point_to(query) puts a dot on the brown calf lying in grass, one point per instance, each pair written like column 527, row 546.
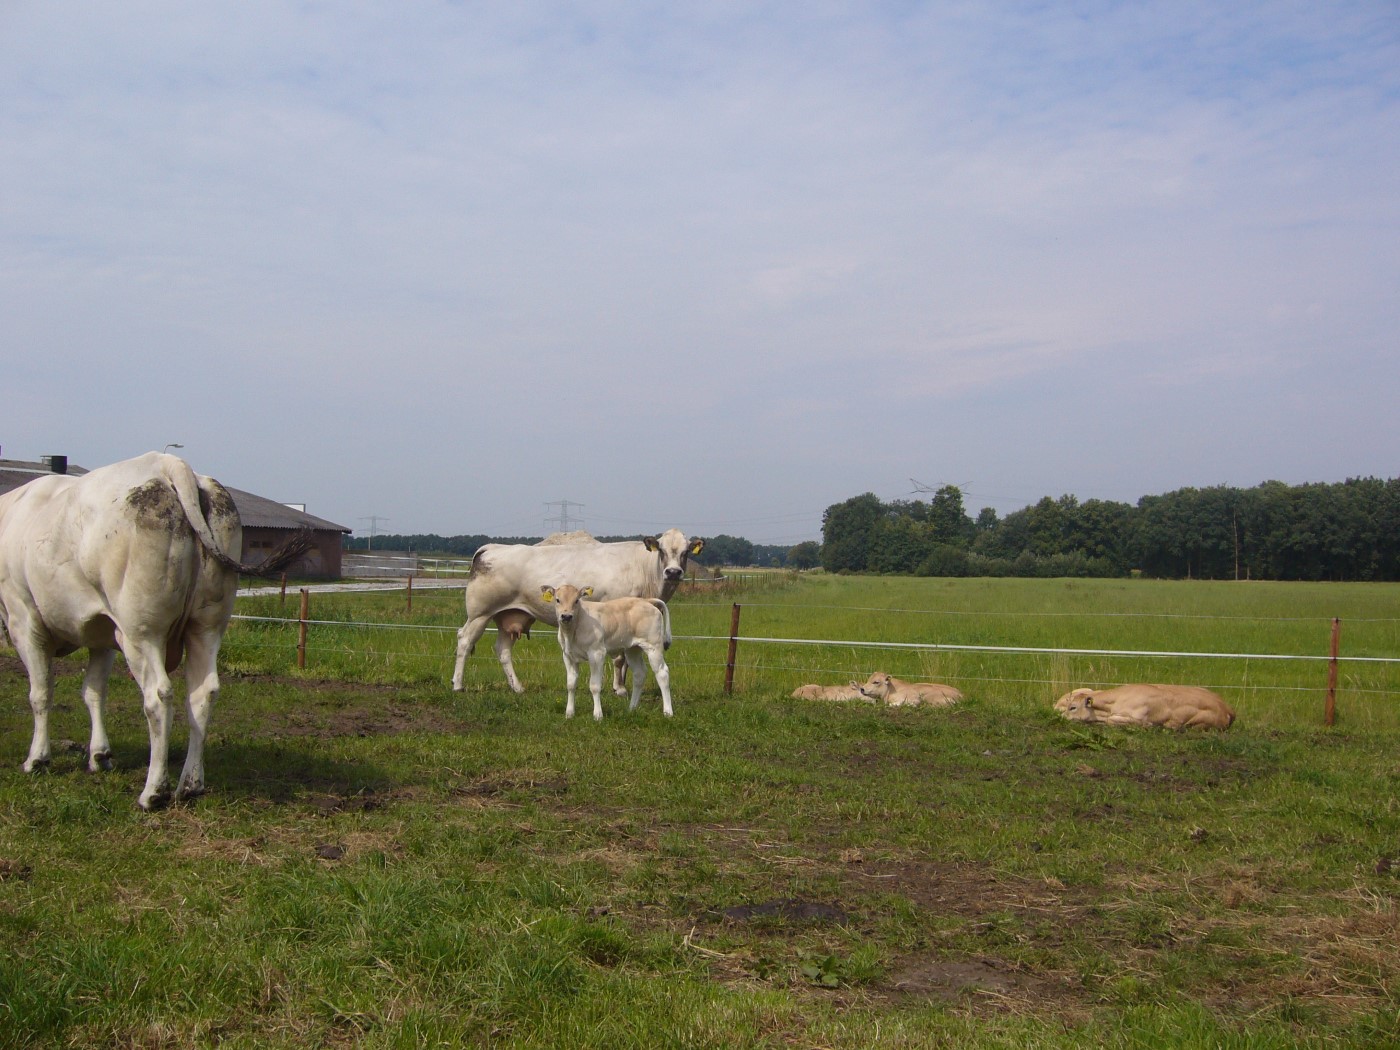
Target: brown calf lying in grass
column 896, row 692
column 1172, row 706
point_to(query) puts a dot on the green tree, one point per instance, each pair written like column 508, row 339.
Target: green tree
column 806, row 555
column 846, row 532
column 948, row 520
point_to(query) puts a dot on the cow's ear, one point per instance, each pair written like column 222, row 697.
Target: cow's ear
column 652, row 543
column 547, row 593
column 697, row 546
column 1088, row 701
column 587, row 592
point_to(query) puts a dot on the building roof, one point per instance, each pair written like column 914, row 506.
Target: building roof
column 255, row 511
column 258, row 512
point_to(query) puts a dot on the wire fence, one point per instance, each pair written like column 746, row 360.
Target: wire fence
column 773, row 657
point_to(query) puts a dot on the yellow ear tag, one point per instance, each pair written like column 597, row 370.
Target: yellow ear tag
column 547, row 593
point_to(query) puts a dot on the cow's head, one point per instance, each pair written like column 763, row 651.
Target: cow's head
column 673, row 549
column 565, row 599
column 1062, row 704
column 876, row 687
column 1079, row 706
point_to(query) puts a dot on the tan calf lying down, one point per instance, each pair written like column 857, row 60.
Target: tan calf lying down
column 1172, row 706
column 896, row 692
column 830, row 692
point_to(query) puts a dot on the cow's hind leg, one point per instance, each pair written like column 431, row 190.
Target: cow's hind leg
column 147, row 663
column 99, row 668
column 467, row 636
column 505, row 642
column 202, row 680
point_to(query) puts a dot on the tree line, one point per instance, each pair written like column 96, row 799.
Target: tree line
column 719, row 550
column 1273, row 531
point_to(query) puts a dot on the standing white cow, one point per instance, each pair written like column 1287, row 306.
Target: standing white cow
column 136, row 556
column 589, row 631
column 508, row 576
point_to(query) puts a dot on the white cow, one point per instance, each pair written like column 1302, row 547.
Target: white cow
column 136, row 556
column 896, row 692
column 511, row 576
column 590, row 631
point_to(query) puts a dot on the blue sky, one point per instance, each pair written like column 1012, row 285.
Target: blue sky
column 715, row 266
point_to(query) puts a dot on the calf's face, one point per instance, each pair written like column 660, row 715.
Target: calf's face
column 565, row 599
column 877, row 687
column 1080, row 708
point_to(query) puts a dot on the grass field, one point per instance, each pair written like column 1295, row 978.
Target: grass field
column 383, row 863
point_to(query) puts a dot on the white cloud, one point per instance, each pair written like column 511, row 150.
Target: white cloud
column 798, row 242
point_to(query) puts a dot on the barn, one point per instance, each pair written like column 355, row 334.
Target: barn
column 266, row 523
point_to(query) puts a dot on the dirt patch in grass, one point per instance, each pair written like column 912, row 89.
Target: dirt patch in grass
column 354, row 712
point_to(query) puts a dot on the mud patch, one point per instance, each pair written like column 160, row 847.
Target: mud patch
column 360, row 721
column 499, row 787
column 792, row 910
column 947, row 980
column 154, row 505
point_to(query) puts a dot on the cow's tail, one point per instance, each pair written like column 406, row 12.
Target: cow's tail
column 182, row 479
column 665, row 621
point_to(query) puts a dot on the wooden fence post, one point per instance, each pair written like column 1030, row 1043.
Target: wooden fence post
column 410, row 592
column 301, row 630
column 1330, row 711
column 733, row 649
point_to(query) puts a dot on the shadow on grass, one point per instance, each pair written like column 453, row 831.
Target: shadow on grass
column 273, row 772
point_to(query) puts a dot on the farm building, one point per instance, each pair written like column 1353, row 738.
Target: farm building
column 266, row 523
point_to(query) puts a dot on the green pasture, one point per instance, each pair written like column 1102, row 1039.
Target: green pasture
column 380, row 862
column 1269, row 642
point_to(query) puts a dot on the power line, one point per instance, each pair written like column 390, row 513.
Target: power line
column 374, row 520
column 563, row 521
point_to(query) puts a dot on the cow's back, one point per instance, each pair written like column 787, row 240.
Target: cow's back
column 512, row 575
column 113, row 549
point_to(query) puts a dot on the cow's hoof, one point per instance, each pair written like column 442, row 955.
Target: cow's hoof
column 100, row 762
column 37, row 765
column 154, row 800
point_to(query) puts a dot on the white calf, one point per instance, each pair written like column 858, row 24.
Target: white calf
column 589, row 631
